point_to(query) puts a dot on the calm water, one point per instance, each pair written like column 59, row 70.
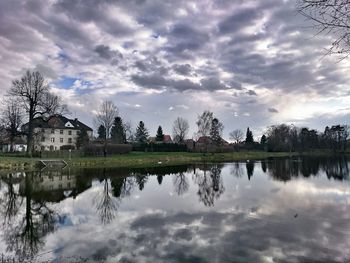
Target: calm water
column 279, row 210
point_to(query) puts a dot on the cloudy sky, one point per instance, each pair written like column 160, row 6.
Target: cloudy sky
column 253, row 63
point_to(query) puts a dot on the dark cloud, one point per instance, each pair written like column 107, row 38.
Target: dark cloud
column 183, row 69
column 93, row 11
column 212, row 84
column 239, row 20
column 251, row 93
column 156, row 81
column 184, row 38
column 106, row 52
column 272, row 110
column 153, row 81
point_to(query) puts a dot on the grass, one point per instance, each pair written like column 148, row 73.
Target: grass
column 142, row 159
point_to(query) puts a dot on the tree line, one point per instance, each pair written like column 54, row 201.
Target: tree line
column 30, row 97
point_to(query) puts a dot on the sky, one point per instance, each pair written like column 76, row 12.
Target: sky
column 251, row 62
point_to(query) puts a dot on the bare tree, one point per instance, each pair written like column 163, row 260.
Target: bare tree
column 11, row 120
column 105, row 116
column 204, row 123
column 128, row 130
column 330, row 17
column 34, row 96
column 180, row 129
column 237, row 135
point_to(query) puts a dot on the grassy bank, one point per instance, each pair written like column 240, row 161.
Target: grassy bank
column 141, row 159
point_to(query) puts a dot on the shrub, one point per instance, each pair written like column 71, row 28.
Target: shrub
column 67, row 147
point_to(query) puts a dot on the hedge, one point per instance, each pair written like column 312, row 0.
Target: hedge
column 102, row 150
column 159, row 147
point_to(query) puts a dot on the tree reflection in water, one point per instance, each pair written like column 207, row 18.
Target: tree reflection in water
column 106, row 205
column 250, row 168
column 210, row 184
column 335, row 167
column 141, row 180
column 25, row 232
column 181, row 183
column 160, row 179
column 236, row 170
column 11, row 201
column 123, row 186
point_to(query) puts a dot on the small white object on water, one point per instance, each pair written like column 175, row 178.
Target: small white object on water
column 159, row 162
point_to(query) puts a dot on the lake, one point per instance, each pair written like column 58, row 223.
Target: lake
column 276, row 210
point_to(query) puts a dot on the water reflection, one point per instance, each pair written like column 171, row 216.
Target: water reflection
column 336, row 167
column 210, row 183
column 24, row 230
column 202, row 212
column 181, row 183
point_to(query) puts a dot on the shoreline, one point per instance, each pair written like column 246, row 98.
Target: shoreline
column 147, row 159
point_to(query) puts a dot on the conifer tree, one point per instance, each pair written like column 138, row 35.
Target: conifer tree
column 101, row 132
column 141, row 133
column 83, row 139
column 216, row 131
column 160, row 135
column 249, row 137
column 263, row 140
column 118, row 131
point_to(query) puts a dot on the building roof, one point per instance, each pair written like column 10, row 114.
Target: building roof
column 207, row 139
column 204, row 139
column 167, row 138
column 58, row 122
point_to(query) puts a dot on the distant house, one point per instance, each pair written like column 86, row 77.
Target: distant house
column 167, row 139
column 208, row 140
column 56, row 131
column 204, row 140
column 19, row 145
column 151, row 139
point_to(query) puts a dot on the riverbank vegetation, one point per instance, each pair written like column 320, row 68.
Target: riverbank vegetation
column 142, row 159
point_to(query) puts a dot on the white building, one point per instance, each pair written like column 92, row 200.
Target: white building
column 56, row 131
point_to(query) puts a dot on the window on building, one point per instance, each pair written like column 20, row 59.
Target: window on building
column 78, row 132
column 61, row 140
column 52, row 130
column 69, row 132
column 69, row 140
column 52, row 139
column 43, row 139
column 43, row 130
column 61, row 131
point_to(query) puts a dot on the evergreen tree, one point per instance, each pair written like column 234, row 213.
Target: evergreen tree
column 263, row 140
column 249, row 137
column 141, row 133
column 101, row 132
column 118, row 131
column 216, row 131
column 83, row 139
column 160, row 135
